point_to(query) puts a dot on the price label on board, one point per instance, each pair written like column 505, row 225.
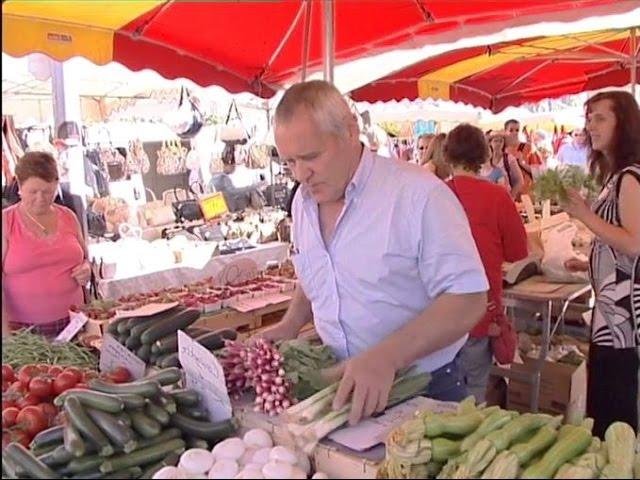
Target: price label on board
column 204, row 374
column 113, row 354
column 77, row 320
column 213, row 206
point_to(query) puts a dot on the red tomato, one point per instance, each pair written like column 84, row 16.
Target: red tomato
column 26, row 373
column 63, row 382
column 82, row 386
column 6, row 440
column 28, row 400
column 43, row 367
column 41, row 386
column 88, row 375
column 8, row 374
column 32, row 420
column 119, row 375
column 50, row 412
column 75, row 371
column 5, row 386
column 54, row 370
column 21, row 437
column 9, row 417
column 16, row 387
column 8, row 402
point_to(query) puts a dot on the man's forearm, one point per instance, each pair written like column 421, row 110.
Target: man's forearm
column 299, row 312
column 441, row 324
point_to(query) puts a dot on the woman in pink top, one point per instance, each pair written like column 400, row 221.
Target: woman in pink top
column 44, row 264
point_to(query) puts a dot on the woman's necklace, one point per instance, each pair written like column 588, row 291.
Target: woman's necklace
column 44, row 229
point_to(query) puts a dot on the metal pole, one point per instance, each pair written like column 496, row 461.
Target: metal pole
column 634, row 61
column 307, row 35
column 329, row 39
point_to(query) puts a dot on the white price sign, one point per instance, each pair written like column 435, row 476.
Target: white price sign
column 204, row 374
column 77, row 320
column 113, row 354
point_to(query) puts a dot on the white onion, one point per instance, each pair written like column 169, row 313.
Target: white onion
column 283, row 454
column 261, row 456
column 320, row 476
column 196, row 460
column 297, row 473
column 223, row 468
column 277, row 470
column 231, row 448
column 169, row 473
column 247, row 456
column 257, row 438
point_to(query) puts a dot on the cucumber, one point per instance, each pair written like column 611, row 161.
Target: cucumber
column 101, row 401
column 197, row 413
column 10, row 469
column 56, row 457
column 124, row 419
column 166, row 344
column 19, row 455
column 158, row 413
column 215, row 340
column 210, row 431
column 178, row 322
column 141, row 324
column 85, row 464
column 132, row 472
column 73, row 441
column 185, row 397
column 85, row 425
column 165, row 436
column 144, row 425
column 89, row 475
column 193, row 442
column 112, row 328
column 167, row 402
column 132, row 343
column 119, row 434
column 153, row 358
column 144, row 352
column 140, row 387
column 167, row 376
column 122, row 339
column 194, row 332
column 38, row 452
column 170, row 460
column 169, row 360
column 123, row 327
column 50, row 436
column 131, row 400
column 142, row 456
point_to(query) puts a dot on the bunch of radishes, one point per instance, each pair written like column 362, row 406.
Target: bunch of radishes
column 258, row 365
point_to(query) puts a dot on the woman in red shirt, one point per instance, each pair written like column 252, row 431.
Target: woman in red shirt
column 499, row 234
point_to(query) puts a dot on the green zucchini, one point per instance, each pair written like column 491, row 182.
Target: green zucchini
column 142, row 456
column 194, row 332
column 170, row 460
column 153, row 358
column 167, row 402
column 10, row 469
column 122, row 339
column 85, row 425
column 197, row 413
column 144, row 352
column 193, row 442
column 543, row 439
column 437, row 425
column 124, row 419
column 169, row 360
column 215, row 340
column 156, row 412
column 119, row 434
column 140, row 325
column 131, row 472
column 124, row 327
column 59, row 456
column 50, row 436
column 144, row 425
column 88, row 398
column 112, row 328
column 185, row 397
column 166, row 376
column 88, row 475
column 30, row 464
column 85, row 464
column 73, row 442
column 209, row 431
column 132, row 343
column 132, row 400
column 178, row 322
column 443, row 449
column 38, row 452
column 491, row 423
column 165, row 436
column 140, row 387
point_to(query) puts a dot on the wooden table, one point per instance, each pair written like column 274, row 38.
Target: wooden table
column 537, row 295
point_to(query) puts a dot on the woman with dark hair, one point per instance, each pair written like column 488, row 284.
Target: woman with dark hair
column 613, row 135
column 499, row 235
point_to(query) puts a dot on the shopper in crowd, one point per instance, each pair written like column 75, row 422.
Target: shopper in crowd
column 499, row 235
column 613, row 123
column 434, row 158
column 44, row 257
column 501, row 167
column 528, row 159
column 576, row 151
column 387, row 267
column 423, row 145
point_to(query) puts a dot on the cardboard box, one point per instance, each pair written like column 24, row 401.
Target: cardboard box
column 562, row 388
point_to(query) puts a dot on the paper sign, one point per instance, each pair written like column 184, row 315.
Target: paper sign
column 204, row 374
column 373, row 431
column 146, row 310
column 77, row 320
column 213, row 206
column 113, row 354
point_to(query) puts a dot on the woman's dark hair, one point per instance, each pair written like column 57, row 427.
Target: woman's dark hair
column 41, row 165
column 466, row 147
column 626, row 139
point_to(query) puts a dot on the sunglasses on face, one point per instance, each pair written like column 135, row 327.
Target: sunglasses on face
column 422, row 147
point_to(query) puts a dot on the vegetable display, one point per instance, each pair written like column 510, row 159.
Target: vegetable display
column 554, row 182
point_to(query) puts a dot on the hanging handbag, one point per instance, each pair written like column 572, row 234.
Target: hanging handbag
column 155, row 213
column 233, row 131
column 187, row 209
column 187, row 120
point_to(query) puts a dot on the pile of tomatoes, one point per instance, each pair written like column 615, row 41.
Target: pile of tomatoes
column 28, row 394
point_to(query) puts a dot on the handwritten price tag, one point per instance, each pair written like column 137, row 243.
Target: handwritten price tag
column 204, row 374
column 77, row 320
column 113, row 354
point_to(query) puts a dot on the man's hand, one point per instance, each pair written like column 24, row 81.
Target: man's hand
column 82, row 273
column 367, row 379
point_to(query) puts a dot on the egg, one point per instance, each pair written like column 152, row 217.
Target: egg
column 224, row 468
column 257, row 438
column 231, row 448
column 196, row 460
column 283, row 454
column 277, row 470
column 261, row 456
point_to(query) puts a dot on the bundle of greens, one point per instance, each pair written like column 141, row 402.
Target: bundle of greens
column 553, row 183
column 303, row 363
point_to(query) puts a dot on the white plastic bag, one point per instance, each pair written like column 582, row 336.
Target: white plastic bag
column 557, row 250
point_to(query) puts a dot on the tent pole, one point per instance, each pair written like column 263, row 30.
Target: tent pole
column 329, row 39
column 634, row 61
column 307, row 35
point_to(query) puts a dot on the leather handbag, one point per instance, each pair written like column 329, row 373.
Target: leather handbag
column 155, row 213
column 233, row 130
column 187, row 120
column 187, row 209
column 504, row 344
